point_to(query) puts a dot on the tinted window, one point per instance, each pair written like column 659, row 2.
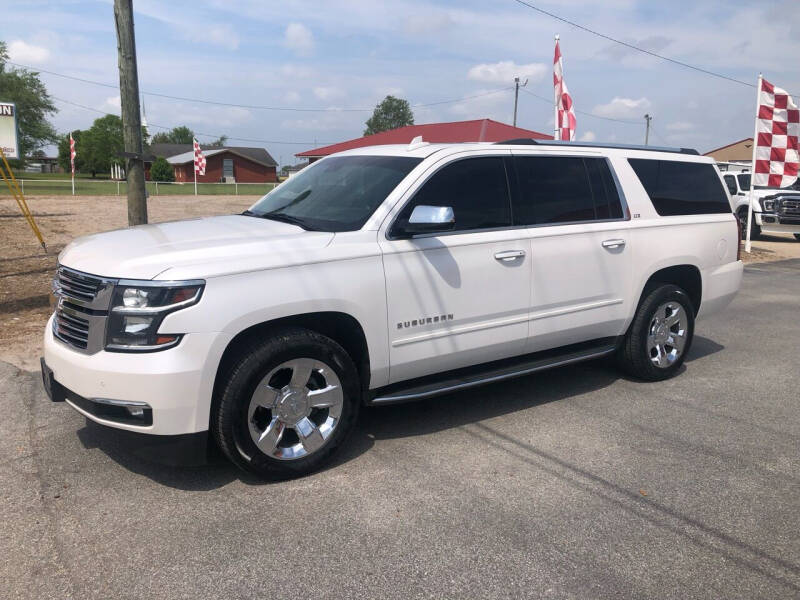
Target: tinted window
column 681, row 188
column 744, row 182
column 337, row 194
column 475, row 188
column 559, row 189
column 730, row 181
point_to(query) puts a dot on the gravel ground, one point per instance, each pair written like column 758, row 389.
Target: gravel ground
column 575, row 483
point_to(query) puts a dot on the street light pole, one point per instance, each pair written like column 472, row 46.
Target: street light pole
column 516, row 96
column 647, row 119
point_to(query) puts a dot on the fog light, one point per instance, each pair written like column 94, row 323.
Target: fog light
column 137, row 324
column 136, row 411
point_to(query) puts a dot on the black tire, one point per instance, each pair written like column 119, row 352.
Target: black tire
column 251, row 362
column 633, row 355
column 755, row 230
column 797, row 236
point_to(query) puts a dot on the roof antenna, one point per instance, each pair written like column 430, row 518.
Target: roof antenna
column 416, row 143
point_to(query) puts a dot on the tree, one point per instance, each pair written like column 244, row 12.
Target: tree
column 391, row 113
column 34, row 104
column 161, row 170
column 176, row 135
column 219, row 142
column 101, row 144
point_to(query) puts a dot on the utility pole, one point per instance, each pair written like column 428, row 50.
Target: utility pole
column 516, row 96
column 131, row 117
column 647, row 119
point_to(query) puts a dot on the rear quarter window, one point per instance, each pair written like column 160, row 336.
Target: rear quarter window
column 681, row 188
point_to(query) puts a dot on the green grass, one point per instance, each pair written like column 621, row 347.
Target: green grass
column 60, row 176
column 51, row 186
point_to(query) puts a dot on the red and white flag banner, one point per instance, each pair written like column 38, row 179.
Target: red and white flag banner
column 199, row 159
column 565, row 111
column 72, row 154
column 775, row 155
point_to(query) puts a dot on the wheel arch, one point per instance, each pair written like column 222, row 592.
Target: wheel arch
column 685, row 276
column 341, row 327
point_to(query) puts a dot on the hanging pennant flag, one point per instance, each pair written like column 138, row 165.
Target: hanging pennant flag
column 72, row 154
column 565, row 112
column 776, row 158
column 199, row 159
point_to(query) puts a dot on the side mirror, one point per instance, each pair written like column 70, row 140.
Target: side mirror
column 430, row 219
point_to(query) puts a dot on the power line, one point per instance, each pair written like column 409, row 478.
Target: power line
column 211, row 135
column 251, row 106
column 583, row 112
column 631, row 46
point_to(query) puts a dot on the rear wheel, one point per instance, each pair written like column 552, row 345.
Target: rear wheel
column 657, row 341
column 287, row 404
column 755, row 230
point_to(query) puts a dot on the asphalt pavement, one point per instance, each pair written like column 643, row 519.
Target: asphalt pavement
column 575, row 483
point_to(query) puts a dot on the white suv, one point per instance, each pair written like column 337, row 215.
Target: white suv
column 389, row 274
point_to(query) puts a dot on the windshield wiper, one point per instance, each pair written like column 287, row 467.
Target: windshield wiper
column 284, row 218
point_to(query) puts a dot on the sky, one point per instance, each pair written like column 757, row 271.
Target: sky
column 458, row 57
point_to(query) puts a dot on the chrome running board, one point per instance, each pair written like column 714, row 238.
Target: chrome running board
column 427, row 387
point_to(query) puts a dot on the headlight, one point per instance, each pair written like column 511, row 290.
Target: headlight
column 767, row 205
column 139, row 307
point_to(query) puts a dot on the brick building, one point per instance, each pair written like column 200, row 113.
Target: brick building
column 223, row 164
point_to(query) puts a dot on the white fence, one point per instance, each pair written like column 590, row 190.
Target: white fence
column 92, row 187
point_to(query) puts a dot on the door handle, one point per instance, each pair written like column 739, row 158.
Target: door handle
column 613, row 243
column 509, row 255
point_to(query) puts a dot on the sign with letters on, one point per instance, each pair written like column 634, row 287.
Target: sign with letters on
column 8, row 130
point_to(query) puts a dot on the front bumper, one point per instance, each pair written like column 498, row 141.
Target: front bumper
column 777, row 223
column 175, row 384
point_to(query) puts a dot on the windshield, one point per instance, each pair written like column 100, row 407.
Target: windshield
column 744, row 181
column 336, row 194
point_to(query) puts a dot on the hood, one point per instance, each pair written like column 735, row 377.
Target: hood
column 202, row 246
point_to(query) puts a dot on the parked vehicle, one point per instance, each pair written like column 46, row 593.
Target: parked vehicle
column 390, row 274
column 775, row 210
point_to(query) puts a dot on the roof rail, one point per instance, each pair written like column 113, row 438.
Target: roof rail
column 534, row 142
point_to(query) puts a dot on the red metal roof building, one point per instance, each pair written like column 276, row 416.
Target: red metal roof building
column 480, row 130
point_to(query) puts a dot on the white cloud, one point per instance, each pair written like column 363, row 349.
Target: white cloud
column 291, row 71
column 622, row 108
column 299, row 39
column 22, row 52
column 505, row 71
column 589, row 136
column 221, row 35
column 292, row 97
column 680, row 126
column 327, row 92
column 113, row 102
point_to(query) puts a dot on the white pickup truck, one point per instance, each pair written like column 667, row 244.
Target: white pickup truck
column 775, row 210
column 389, row 274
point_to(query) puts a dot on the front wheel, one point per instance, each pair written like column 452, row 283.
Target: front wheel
column 660, row 335
column 286, row 403
column 755, row 230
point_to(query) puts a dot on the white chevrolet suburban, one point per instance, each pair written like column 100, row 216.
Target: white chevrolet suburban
column 775, row 210
column 388, row 274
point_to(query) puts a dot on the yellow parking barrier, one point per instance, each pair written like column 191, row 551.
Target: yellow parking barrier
column 11, row 181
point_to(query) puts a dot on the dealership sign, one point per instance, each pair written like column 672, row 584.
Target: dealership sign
column 8, row 130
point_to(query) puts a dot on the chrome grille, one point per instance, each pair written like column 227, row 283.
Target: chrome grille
column 82, row 308
column 76, row 286
column 71, row 328
column 790, row 207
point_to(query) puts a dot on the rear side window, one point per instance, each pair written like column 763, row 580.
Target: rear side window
column 681, row 188
column 475, row 188
column 563, row 189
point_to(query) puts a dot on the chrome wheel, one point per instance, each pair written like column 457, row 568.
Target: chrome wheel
column 295, row 409
column 666, row 336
